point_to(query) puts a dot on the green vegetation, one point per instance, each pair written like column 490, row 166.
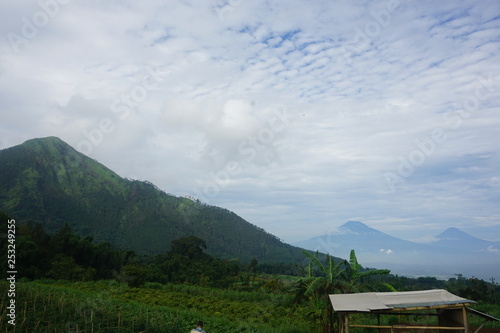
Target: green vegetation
column 47, row 181
column 108, row 306
column 62, row 255
column 326, row 278
column 101, row 289
column 99, row 253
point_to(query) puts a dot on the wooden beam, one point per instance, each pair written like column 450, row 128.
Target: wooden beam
column 412, row 327
column 403, row 313
column 371, row 326
column 430, row 327
column 343, row 322
column 346, row 323
column 430, row 307
column 479, row 328
column 465, row 319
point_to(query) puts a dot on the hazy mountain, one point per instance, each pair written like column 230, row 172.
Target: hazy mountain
column 47, row 181
column 456, row 239
column 451, row 252
column 357, row 235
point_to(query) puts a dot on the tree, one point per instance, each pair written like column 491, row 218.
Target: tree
column 191, row 247
column 136, row 274
column 355, row 276
column 342, row 277
column 65, row 268
column 314, row 290
column 187, row 263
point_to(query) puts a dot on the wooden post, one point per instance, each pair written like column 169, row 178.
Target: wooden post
column 465, row 319
column 341, row 322
column 453, row 317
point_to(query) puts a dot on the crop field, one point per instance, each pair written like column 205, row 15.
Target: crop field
column 108, row 306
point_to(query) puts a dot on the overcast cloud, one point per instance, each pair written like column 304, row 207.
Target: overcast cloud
column 296, row 115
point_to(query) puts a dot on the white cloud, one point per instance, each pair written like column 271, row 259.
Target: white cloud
column 360, row 99
column 492, row 249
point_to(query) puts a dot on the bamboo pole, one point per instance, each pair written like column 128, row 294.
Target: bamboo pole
column 346, row 323
column 465, row 321
column 479, row 328
column 378, row 322
column 371, row 326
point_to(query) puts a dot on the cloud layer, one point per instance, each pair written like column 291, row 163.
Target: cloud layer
column 298, row 116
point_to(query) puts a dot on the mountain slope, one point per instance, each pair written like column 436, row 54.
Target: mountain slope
column 356, row 235
column 46, row 180
column 457, row 239
column 452, row 251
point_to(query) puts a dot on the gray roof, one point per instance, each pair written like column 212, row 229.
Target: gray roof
column 366, row 302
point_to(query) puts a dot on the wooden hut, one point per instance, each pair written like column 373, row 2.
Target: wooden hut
column 450, row 311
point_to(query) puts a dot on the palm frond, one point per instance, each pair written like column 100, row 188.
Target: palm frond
column 314, row 259
column 314, row 286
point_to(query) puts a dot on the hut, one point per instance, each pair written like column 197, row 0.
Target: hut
column 450, row 310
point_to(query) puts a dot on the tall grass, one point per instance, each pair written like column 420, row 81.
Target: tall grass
column 108, row 306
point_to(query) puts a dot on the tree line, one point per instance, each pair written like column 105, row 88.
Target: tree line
column 64, row 255
column 67, row 256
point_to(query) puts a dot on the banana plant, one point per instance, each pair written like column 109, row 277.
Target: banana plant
column 314, row 290
column 342, row 277
column 354, row 275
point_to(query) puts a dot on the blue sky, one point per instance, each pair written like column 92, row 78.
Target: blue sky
column 296, row 115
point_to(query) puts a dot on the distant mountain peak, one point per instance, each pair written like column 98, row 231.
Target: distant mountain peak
column 454, row 234
column 358, row 228
column 354, row 225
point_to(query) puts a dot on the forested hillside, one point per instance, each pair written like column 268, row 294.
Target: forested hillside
column 80, row 284
column 47, row 181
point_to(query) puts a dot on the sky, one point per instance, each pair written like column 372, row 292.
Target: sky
column 297, row 115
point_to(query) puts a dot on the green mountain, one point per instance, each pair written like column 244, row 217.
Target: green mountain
column 47, row 181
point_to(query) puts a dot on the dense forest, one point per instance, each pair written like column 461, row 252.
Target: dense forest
column 47, row 181
column 64, row 256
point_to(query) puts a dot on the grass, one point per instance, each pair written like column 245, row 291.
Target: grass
column 107, row 306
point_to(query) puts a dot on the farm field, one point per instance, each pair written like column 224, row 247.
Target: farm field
column 111, row 306
column 108, row 306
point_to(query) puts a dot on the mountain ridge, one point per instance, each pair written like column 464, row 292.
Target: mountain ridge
column 357, row 227
column 452, row 251
column 46, row 180
column 454, row 233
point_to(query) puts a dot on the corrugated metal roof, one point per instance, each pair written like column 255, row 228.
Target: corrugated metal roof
column 366, row 302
